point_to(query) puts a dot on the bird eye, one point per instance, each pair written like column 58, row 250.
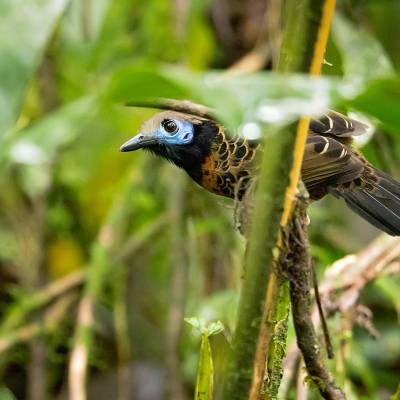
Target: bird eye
column 170, row 126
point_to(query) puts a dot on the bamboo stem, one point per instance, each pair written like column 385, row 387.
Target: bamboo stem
column 302, row 128
column 178, row 285
column 279, row 286
column 258, row 266
column 77, row 371
column 122, row 339
column 258, row 307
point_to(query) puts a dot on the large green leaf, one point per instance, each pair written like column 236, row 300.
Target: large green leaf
column 381, row 99
column 396, row 396
column 238, row 99
column 40, row 142
column 363, row 56
column 6, row 394
column 25, row 27
column 37, row 147
column 262, row 97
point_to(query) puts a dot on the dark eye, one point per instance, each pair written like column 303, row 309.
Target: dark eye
column 169, row 125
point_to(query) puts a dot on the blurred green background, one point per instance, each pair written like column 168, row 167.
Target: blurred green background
column 108, row 252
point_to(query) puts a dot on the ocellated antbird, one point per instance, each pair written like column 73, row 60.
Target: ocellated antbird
column 225, row 164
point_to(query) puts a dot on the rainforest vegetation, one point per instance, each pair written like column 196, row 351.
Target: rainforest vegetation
column 121, row 278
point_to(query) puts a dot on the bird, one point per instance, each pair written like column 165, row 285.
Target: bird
column 226, row 164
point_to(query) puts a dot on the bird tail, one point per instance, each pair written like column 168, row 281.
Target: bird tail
column 378, row 202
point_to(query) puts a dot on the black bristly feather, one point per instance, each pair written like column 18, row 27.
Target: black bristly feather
column 378, row 203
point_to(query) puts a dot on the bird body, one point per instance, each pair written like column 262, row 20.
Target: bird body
column 225, row 164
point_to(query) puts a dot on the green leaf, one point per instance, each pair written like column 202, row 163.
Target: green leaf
column 197, row 323
column 82, row 23
column 238, row 99
column 396, row 396
column 6, row 394
column 142, row 82
column 25, row 27
column 363, row 56
column 53, row 132
column 36, row 148
column 205, row 371
column 381, row 99
column 390, row 286
column 213, row 328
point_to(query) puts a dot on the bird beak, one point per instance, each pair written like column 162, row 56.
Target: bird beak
column 137, row 142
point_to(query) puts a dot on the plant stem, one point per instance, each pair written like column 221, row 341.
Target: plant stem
column 294, row 56
column 109, row 238
column 258, row 265
column 256, row 322
column 122, row 339
column 178, row 286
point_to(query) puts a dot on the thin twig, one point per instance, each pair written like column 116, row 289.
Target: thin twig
column 301, row 387
column 47, row 294
column 346, row 278
column 337, row 289
column 267, row 44
column 122, row 339
column 325, row 330
column 53, row 315
column 80, row 352
column 135, row 242
column 103, row 257
column 297, row 264
column 40, row 299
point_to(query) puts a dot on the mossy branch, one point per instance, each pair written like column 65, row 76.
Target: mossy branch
column 297, row 264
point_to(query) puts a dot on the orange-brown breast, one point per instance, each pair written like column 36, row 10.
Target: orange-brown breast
column 227, row 169
column 209, row 174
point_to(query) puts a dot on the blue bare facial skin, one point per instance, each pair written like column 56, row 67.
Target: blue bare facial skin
column 170, row 131
column 175, row 131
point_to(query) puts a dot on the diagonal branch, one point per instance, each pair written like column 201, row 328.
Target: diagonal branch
column 297, row 264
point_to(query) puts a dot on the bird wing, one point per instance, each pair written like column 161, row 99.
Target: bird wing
column 336, row 124
column 329, row 163
column 330, row 166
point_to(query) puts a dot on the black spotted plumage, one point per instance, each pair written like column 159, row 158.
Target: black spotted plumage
column 225, row 164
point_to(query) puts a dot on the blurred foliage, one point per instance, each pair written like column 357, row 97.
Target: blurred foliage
column 67, row 68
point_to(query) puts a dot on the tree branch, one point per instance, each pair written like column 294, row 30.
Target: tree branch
column 297, row 264
column 343, row 283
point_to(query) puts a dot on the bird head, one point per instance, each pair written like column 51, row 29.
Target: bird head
column 184, row 139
